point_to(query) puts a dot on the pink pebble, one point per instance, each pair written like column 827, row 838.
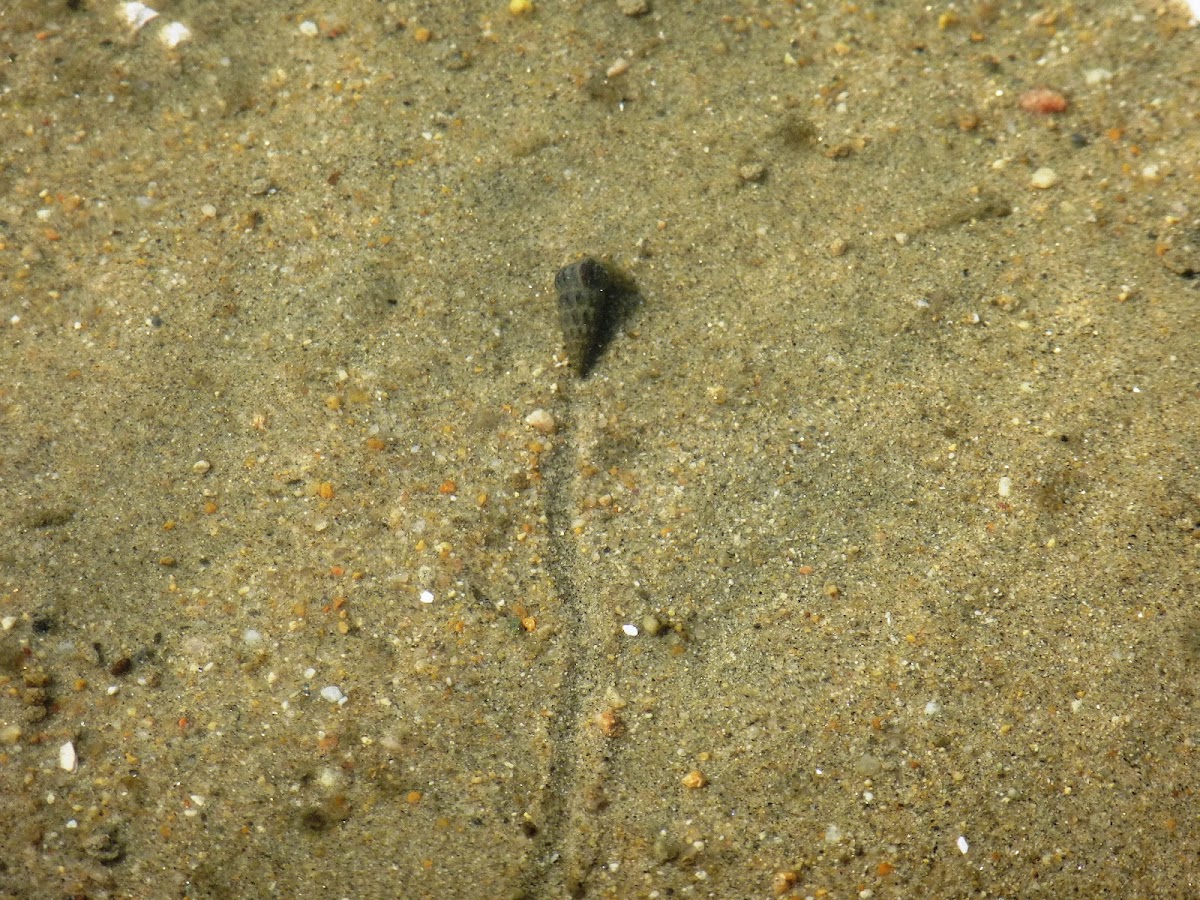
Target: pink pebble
column 1043, row 101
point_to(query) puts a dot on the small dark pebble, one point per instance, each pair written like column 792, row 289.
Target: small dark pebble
column 315, row 819
column 121, row 666
column 324, row 816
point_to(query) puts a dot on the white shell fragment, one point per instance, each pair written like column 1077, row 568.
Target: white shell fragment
column 1043, row 178
column 541, row 421
column 67, row 760
column 137, row 15
column 174, row 34
column 620, row 67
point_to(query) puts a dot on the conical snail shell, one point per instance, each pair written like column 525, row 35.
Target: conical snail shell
column 586, row 293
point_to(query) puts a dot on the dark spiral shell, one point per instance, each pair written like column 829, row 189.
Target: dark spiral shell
column 587, row 294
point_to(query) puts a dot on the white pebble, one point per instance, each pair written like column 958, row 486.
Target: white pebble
column 426, row 596
column 308, row 28
column 963, row 846
column 1043, row 178
column 932, row 708
column 67, row 761
column 251, row 636
column 542, row 421
column 332, row 693
column 630, row 629
column 1005, row 486
column 8, row 622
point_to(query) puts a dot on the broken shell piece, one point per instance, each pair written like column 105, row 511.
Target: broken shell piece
column 541, row 421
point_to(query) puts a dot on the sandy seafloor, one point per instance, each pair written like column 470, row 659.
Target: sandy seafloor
column 893, row 465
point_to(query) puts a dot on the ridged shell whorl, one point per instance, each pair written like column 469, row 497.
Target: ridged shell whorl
column 587, row 293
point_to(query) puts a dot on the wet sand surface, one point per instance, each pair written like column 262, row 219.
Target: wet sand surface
column 864, row 563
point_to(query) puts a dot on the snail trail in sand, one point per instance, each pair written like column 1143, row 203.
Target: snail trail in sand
column 593, row 301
